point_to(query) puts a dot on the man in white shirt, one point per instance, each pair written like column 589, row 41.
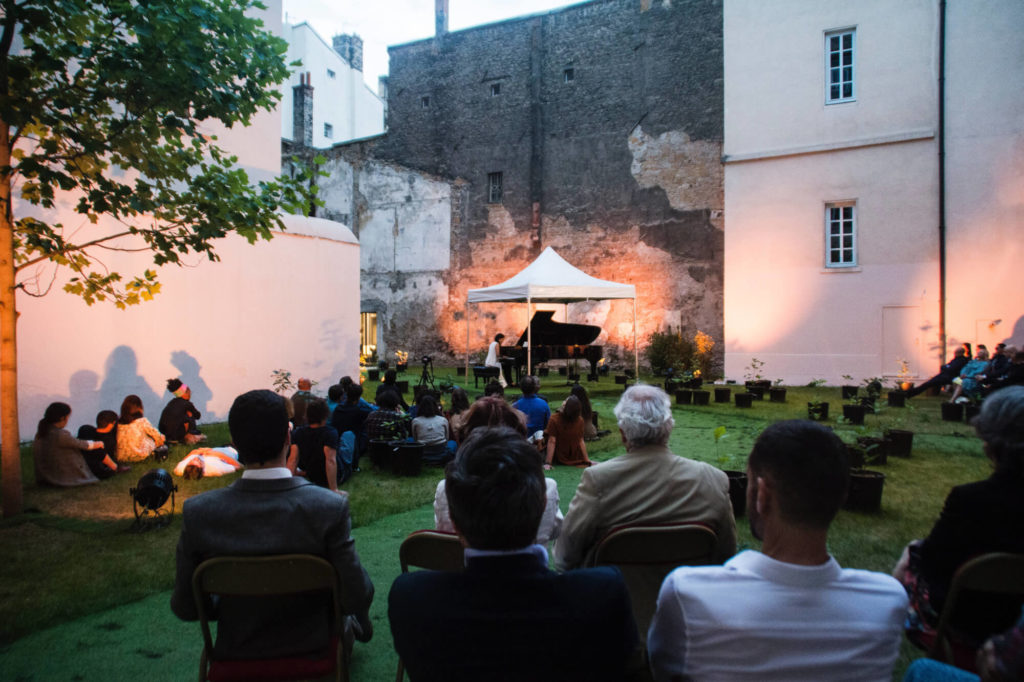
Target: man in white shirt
column 788, row 612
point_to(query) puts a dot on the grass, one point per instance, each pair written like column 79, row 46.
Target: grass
column 72, row 560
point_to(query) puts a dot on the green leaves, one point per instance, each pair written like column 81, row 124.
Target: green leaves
column 106, row 100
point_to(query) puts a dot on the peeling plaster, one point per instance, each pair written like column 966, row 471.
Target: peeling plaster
column 689, row 172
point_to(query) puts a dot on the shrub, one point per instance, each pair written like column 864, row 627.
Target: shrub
column 669, row 350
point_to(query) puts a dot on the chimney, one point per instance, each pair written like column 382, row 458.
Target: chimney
column 350, row 47
column 440, row 17
column 302, row 111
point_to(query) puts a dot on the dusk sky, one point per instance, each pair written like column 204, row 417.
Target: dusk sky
column 392, row 22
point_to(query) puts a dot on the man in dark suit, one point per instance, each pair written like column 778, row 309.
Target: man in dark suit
column 508, row 617
column 267, row 512
column 948, row 372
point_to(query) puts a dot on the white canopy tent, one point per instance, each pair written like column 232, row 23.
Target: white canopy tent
column 551, row 279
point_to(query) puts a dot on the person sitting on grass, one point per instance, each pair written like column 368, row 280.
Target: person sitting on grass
column 432, row 429
column 387, row 423
column 350, row 415
column 565, row 443
column 56, row 454
column 494, row 388
column 458, row 411
column 136, row 437
column 390, row 383
column 178, row 419
column 103, row 462
column 317, row 451
column 534, row 407
column 968, row 384
column 948, row 372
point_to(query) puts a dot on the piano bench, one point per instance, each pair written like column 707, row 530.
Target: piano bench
column 485, row 373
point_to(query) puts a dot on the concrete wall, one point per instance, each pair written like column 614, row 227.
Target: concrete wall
column 621, row 162
column 788, row 153
column 985, row 182
column 343, row 100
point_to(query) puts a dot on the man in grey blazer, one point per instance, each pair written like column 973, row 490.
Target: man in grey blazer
column 647, row 485
column 266, row 512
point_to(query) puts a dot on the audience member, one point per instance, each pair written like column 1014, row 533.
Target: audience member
column 1012, row 375
column 491, row 412
column 56, row 454
column 364, row 405
column 459, row 410
column 387, row 423
column 317, row 452
column 977, row 518
column 102, row 462
column 507, row 617
column 178, row 419
column 788, row 612
column 390, row 383
column 534, row 407
column 136, row 437
column 564, row 435
column 1001, row 659
column 268, row 511
column 335, row 396
column 494, row 388
column 299, row 401
column 203, row 462
column 649, row 484
column 431, row 428
column 968, row 384
column 590, row 431
column 948, row 372
column 350, row 416
column 999, row 363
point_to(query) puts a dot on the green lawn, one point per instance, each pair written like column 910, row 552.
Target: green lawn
column 73, row 570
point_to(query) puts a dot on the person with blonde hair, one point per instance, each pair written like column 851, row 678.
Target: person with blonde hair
column 137, row 439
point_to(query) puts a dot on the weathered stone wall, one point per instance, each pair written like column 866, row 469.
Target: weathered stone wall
column 617, row 167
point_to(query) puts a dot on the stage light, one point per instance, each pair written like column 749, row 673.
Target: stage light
column 149, row 497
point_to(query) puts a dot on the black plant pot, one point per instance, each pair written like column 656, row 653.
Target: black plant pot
column 952, row 412
column 593, row 376
column 899, row 442
column 701, row 397
column 381, row 453
column 865, row 491
column 876, row 450
column 777, row 395
column 897, row 399
column 563, row 371
column 817, row 411
column 574, row 377
column 408, row 458
column 723, row 395
column 401, row 366
column 373, row 374
column 620, row 378
column 684, row 396
column 738, row 492
column 543, row 371
column 671, row 386
column 695, row 383
column 849, row 392
column 460, row 371
column 756, row 391
column 744, row 400
column 971, row 410
column 383, row 365
column 854, row 413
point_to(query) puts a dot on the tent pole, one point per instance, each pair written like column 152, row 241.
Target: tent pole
column 529, row 338
column 465, row 378
column 636, row 357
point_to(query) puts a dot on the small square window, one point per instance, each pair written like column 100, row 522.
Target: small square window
column 330, row 73
column 328, row 131
column 568, row 76
column 495, row 89
column 840, row 235
column 424, row 102
column 494, row 188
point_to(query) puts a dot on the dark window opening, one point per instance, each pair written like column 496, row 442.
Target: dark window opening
column 494, row 188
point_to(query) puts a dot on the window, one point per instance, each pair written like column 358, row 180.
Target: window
column 494, row 192
column 330, row 73
column 328, row 131
column 839, row 53
column 568, row 76
column 495, row 89
column 424, row 102
column 840, row 235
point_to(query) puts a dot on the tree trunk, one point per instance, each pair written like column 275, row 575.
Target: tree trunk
column 9, row 441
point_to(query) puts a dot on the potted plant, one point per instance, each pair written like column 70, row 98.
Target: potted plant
column 853, row 412
column 543, row 370
column 971, row 410
column 876, row 451
column 952, row 412
column 753, row 376
column 684, row 396
column 903, row 376
column 671, row 382
column 729, row 464
column 408, row 458
column 723, row 394
column 872, row 392
column 899, row 442
column 817, row 409
column 701, row 397
column 777, row 393
column 401, row 360
column 865, row 490
column 373, row 374
column 620, row 379
column 744, row 399
column 849, row 389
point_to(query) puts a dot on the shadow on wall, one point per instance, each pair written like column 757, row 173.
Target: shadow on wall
column 122, row 378
column 188, row 371
column 1016, row 338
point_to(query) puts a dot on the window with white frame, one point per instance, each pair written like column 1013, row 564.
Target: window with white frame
column 495, row 89
column 841, row 234
column 494, row 190
column 328, row 131
column 840, row 50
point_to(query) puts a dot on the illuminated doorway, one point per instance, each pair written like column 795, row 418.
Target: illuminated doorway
column 367, row 334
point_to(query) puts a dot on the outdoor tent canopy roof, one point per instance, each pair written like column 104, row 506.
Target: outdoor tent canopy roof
column 553, row 280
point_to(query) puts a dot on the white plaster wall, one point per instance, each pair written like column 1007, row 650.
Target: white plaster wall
column 985, row 181
column 345, row 101
column 775, row 72
column 784, row 307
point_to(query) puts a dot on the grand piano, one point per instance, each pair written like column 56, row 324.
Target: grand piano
column 554, row 341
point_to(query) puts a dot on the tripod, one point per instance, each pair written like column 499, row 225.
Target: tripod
column 427, row 375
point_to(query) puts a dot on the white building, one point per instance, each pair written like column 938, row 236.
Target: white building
column 832, row 183
column 344, row 107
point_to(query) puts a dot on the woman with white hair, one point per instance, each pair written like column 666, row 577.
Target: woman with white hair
column 977, row 518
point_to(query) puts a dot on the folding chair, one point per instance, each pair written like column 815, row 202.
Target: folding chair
column 996, row 573
column 286, row 574
column 433, row 550
column 646, row 554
